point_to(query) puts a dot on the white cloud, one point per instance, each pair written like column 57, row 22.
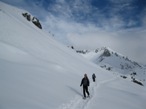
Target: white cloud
column 131, row 43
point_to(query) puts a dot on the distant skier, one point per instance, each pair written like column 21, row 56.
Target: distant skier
column 85, row 82
column 93, row 77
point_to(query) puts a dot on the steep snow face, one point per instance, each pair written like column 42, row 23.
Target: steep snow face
column 34, row 68
column 36, row 72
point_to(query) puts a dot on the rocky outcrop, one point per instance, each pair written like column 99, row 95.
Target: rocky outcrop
column 106, row 53
column 34, row 20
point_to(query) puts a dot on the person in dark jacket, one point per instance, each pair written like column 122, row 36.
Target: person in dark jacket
column 85, row 82
column 93, row 77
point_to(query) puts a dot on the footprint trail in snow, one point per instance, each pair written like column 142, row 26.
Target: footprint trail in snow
column 79, row 103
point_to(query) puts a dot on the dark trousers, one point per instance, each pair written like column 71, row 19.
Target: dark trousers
column 85, row 90
column 93, row 79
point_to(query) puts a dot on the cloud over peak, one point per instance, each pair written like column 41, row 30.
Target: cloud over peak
column 118, row 24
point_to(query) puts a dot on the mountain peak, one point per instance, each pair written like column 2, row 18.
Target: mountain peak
column 38, row 72
column 106, row 52
column 112, row 61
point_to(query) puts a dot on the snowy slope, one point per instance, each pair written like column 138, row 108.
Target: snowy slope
column 36, row 72
column 115, row 62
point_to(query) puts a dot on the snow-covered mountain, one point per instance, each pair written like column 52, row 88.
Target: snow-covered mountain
column 37, row 72
column 116, row 63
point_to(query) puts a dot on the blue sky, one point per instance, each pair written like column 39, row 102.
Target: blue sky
column 118, row 24
column 130, row 12
column 97, row 12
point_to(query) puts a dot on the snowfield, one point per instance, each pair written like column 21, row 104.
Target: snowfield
column 116, row 63
column 37, row 72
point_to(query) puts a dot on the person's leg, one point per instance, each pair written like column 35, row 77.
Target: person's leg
column 87, row 90
column 84, row 90
column 93, row 79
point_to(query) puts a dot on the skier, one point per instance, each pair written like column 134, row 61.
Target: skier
column 93, row 77
column 85, row 82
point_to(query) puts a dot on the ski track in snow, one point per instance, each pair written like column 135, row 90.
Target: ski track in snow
column 79, row 103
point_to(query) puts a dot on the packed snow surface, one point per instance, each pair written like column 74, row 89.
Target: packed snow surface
column 37, row 72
